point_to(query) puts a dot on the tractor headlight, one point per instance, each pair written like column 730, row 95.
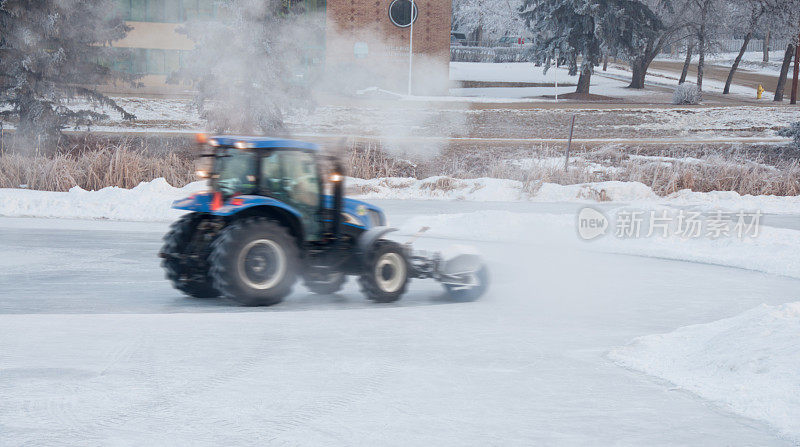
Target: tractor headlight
column 202, row 173
column 213, row 142
column 352, row 220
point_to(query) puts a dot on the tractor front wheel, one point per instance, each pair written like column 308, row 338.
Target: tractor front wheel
column 386, row 275
column 254, row 262
column 187, row 274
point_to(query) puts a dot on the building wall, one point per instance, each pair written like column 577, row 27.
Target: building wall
column 352, row 22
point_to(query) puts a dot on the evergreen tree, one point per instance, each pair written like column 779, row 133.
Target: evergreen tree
column 675, row 18
column 585, row 28
column 52, row 51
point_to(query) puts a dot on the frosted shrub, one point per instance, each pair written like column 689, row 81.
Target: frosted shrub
column 792, row 131
column 686, row 94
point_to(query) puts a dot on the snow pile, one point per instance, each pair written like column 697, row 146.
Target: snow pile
column 774, row 250
column 599, row 191
column 437, row 188
column 150, row 201
column 732, row 200
column 748, row 363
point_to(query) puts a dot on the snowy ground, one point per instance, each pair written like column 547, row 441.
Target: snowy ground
column 746, row 363
column 151, row 201
column 97, row 349
column 500, row 115
column 420, row 126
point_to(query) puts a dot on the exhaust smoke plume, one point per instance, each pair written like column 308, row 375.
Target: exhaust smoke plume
column 258, row 63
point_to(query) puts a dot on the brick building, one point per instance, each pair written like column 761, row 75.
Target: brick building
column 373, row 36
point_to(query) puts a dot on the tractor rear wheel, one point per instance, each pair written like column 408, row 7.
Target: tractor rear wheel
column 254, row 261
column 386, row 276
column 324, row 284
column 188, row 275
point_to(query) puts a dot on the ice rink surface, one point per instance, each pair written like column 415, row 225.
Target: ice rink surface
column 97, row 349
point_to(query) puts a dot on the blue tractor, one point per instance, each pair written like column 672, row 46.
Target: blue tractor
column 275, row 212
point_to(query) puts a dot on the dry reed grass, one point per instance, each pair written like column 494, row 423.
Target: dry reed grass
column 746, row 170
column 92, row 170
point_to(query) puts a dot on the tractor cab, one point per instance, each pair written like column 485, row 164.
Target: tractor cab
column 291, row 177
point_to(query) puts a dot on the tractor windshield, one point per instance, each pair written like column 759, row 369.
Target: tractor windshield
column 236, row 171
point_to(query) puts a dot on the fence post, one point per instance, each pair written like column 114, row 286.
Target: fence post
column 569, row 143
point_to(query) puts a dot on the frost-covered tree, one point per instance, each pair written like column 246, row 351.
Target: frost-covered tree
column 745, row 17
column 52, row 51
column 674, row 19
column 481, row 19
column 708, row 23
column 250, row 64
column 782, row 22
column 634, row 32
column 585, row 28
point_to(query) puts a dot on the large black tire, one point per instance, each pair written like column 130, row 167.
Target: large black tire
column 324, row 284
column 385, row 278
column 471, row 294
column 190, row 277
column 254, row 261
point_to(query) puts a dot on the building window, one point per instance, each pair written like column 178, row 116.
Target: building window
column 403, row 12
column 146, row 61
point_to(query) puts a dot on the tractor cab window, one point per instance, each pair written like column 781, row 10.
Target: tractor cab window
column 236, row 172
column 301, row 168
column 271, row 177
column 291, row 177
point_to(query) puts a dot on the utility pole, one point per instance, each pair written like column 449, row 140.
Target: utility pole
column 411, row 47
column 796, row 71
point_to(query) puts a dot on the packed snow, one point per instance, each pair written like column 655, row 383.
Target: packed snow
column 150, row 201
column 98, row 349
column 748, row 363
column 772, row 251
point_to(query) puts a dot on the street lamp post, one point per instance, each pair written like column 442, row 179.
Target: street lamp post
column 410, row 47
column 796, row 71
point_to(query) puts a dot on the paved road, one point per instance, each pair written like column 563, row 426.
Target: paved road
column 720, row 73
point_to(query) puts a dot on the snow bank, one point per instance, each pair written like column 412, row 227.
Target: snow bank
column 730, row 200
column 748, row 363
column 599, row 191
column 150, row 201
column 774, row 250
column 438, row 188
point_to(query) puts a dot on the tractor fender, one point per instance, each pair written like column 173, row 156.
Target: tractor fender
column 368, row 238
column 249, row 201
